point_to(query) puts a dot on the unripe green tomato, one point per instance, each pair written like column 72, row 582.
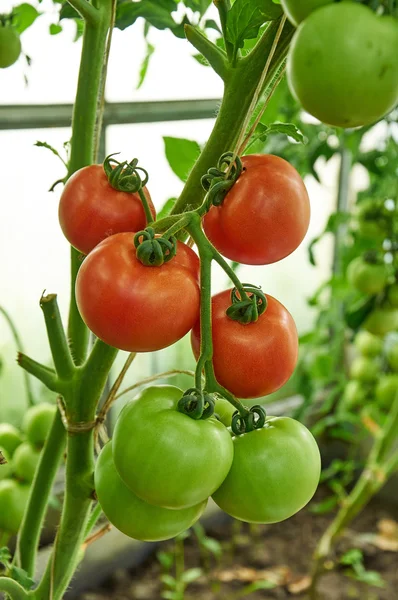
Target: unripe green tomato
column 368, row 344
column 364, row 369
column 298, row 10
column 371, row 230
column 392, row 295
column 25, row 461
column 13, row 499
column 386, row 390
column 37, row 423
column 132, row 516
column 366, row 277
column 10, row 46
column 382, row 320
column 10, row 438
column 6, row 469
column 354, row 394
column 225, row 411
column 392, row 357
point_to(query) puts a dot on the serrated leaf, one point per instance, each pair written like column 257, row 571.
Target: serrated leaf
column 191, row 575
column 24, row 15
column 21, row 577
column 181, row 155
column 54, row 29
column 145, row 64
column 166, row 208
column 245, row 19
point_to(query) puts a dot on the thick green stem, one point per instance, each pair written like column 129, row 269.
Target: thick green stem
column 20, row 348
column 147, row 210
column 86, row 10
column 240, row 88
column 59, row 347
column 13, row 589
column 214, row 56
column 29, row 534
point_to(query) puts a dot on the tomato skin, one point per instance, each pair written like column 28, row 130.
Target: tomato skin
column 10, row 46
column 354, row 394
column 386, row 390
column 25, row 461
column 364, row 369
column 251, row 360
column 342, row 65
column 165, row 457
column 133, row 307
column 368, row 344
column 37, row 423
column 264, row 217
column 13, row 499
column 90, row 209
column 132, row 516
column 10, row 438
column 224, row 411
column 5, row 469
column 366, row 277
column 298, row 10
column 274, row 474
column 382, row 320
column 392, row 357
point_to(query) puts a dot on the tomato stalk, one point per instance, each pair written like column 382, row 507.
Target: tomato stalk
column 13, row 589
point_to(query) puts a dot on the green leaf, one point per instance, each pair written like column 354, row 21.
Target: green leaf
column 191, row 575
column 245, row 19
column 287, row 129
column 351, row 557
column 170, row 595
column 324, row 507
column 168, row 580
column 357, row 312
column 257, row 585
column 211, row 24
column 55, row 28
column 166, row 559
column 201, row 60
column 212, row 546
column 68, row 12
column 181, row 155
column 166, row 208
column 199, row 6
column 370, row 578
column 145, row 64
column 21, row 577
column 156, row 12
column 24, row 15
column 5, row 555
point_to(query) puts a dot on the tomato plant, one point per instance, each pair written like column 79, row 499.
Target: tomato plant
column 275, row 472
column 10, row 46
column 165, row 457
column 264, row 217
column 298, row 10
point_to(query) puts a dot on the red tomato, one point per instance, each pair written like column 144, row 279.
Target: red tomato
column 251, row 360
column 91, row 210
column 264, row 217
column 134, row 307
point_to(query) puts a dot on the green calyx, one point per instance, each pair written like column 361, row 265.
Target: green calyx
column 125, row 176
column 196, row 404
column 254, row 419
column 154, row 251
column 247, row 309
column 219, row 180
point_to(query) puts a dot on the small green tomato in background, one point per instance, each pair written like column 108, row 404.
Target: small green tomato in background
column 368, row 344
column 392, row 295
column 354, row 394
column 132, row 516
column 274, row 474
column 298, row 10
column 5, row 469
column 13, row 499
column 392, row 357
column 386, row 390
column 382, row 320
column 10, row 438
column 25, row 462
column 37, row 423
column 225, row 411
column 364, row 369
column 10, row 46
column 368, row 278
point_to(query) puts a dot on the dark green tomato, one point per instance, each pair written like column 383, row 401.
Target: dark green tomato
column 367, row 278
column 342, row 65
column 298, row 10
column 392, row 357
column 382, row 320
column 368, row 344
column 354, row 394
column 224, row 410
column 132, row 516
column 364, row 369
column 275, row 472
column 392, row 295
column 5, row 469
column 10, row 438
column 164, row 456
column 386, row 390
column 10, row 46
column 25, row 461
column 371, row 230
column 37, row 423
column 13, row 499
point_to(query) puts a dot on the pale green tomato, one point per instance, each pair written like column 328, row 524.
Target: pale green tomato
column 368, row 344
column 364, row 369
column 10, row 438
column 37, row 423
column 13, row 499
column 386, row 390
column 382, row 320
column 354, row 394
column 392, row 357
column 25, row 461
column 298, row 10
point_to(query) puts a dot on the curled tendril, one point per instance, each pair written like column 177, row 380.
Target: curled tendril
column 125, row 176
column 218, row 180
column 196, row 404
column 154, row 251
column 250, row 309
column 255, row 419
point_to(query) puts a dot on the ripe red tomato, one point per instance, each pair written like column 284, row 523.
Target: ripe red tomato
column 91, row 210
column 133, row 307
column 251, row 360
column 264, row 217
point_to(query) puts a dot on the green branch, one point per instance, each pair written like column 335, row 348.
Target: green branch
column 13, row 589
column 41, row 372
column 56, row 336
column 86, row 10
column 214, row 56
column 223, row 7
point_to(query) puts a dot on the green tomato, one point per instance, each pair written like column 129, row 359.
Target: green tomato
column 392, row 357
column 5, row 469
column 366, row 277
column 10, row 46
column 368, row 344
column 298, row 10
column 225, row 411
column 392, row 295
column 10, row 438
column 164, row 456
column 371, row 230
column 342, row 65
column 364, row 369
column 354, row 394
column 37, row 423
column 386, row 390
column 132, row 516
column 13, row 499
column 25, row 461
column 275, row 472
column 382, row 320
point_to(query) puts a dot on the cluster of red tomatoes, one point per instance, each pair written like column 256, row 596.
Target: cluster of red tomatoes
column 342, row 64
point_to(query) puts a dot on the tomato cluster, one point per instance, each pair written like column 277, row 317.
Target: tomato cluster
column 21, row 451
column 342, row 65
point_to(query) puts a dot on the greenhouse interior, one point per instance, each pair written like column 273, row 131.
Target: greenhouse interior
column 199, row 299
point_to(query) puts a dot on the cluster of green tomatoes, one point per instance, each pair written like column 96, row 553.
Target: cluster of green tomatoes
column 20, row 454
